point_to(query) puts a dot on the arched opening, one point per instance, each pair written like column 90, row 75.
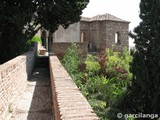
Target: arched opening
column 117, row 38
column 43, row 38
column 83, row 37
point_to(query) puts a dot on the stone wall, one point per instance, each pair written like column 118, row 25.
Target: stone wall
column 101, row 34
column 69, row 103
column 113, row 27
column 95, row 35
column 85, row 27
column 59, row 48
column 13, row 78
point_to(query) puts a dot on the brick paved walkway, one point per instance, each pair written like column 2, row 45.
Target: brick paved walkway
column 35, row 103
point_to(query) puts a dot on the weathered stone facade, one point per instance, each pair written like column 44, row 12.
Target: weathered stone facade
column 100, row 32
column 60, row 48
column 105, row 31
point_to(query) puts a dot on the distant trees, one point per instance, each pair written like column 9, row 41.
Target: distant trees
column 143, row 95
column 20, row 20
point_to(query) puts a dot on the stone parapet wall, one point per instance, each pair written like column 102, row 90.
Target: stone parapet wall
column 59, row 48
column 69, row 103
column 13, row 78
column 101, row 34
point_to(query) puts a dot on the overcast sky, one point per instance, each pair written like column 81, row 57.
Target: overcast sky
column 124, row 9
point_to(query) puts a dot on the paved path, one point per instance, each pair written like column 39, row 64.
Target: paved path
column 35, row 103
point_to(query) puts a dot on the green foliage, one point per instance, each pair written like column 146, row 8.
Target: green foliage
column 99, row 107
column 103, row 89
column 143, row 94
column 72, row 59
column 92, row 65
column 34, row 39
column 14, row 15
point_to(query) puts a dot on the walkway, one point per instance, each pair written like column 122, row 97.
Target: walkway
column 36, row 101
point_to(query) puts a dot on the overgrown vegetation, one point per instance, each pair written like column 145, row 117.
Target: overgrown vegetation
column 143, row 96
column 34, row 39
column 103, row 79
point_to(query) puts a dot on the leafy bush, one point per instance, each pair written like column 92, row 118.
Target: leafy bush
column 34, row 39
column 92, row 66
column 71, row 61
column 105, row 79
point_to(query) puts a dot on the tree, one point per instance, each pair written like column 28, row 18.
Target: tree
column 20, row 20
column 143, row 95
column 13, row 16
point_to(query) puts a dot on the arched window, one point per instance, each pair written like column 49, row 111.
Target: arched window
column 117, row 38
column 83, row 37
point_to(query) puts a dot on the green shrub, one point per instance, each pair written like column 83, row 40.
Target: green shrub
column 92, row 66
column 103, row 89
column 72, row 59
column 34, row 39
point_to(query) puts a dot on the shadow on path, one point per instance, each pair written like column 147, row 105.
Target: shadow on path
column 41, row 106
column 36, row 101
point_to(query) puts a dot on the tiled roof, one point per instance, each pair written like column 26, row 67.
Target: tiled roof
column 103, row 18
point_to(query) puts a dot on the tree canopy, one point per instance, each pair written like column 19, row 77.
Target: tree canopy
column 143, row 95
column 21, row 19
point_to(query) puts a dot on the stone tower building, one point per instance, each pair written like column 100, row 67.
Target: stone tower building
column 91, row 34
column 104, row 31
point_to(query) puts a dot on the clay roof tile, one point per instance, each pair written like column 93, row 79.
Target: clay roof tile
column 103, row 17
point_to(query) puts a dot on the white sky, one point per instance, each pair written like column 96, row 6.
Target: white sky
column 124, row 9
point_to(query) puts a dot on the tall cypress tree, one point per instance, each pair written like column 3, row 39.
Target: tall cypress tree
column 144, row 93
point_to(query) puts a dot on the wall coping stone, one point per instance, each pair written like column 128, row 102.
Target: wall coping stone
column 68, row 101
